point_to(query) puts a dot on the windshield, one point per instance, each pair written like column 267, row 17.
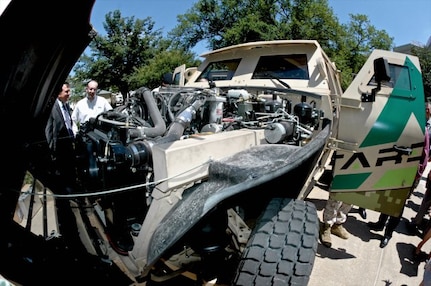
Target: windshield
column 282, row 66
column 222, row 70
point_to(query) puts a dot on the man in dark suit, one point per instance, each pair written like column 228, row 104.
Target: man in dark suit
column 60, row 138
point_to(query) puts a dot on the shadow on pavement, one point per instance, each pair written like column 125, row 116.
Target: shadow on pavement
column 360, row 229
column 413, row 206
column 332, row 253
column 409, row 266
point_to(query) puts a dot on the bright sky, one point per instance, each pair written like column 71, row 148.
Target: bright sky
column 405, row 21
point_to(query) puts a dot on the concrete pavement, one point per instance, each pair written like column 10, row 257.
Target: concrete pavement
column 359, row 260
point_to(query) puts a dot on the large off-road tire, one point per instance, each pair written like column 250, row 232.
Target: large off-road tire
column 282, row 247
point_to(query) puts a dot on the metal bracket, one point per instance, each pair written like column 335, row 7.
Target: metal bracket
column 365, row 97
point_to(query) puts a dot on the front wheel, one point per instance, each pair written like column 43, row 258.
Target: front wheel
column 282, row 247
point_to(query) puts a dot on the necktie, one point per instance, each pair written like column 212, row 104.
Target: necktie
column 67, row 119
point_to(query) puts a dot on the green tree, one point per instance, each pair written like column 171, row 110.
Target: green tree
column 113, row 59
column 313, row 20
column 222, row 23
column 424, row 55
column 165, row 62
column 358, row 40
column 131, row 55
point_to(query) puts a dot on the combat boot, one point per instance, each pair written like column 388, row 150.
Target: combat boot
column 325, row 234
column 340, row 231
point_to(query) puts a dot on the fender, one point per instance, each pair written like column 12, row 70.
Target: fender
column 226, row 181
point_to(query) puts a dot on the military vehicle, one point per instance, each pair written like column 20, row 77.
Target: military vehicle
column 205, row 179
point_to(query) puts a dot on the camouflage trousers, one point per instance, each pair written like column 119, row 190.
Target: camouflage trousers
column 335, row 212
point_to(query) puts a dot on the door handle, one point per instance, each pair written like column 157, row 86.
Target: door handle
column 403, row 150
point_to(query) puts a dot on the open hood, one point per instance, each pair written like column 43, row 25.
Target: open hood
column 41, row 41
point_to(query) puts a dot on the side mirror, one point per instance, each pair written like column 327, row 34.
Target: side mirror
column 381, row 73
column 381, row 70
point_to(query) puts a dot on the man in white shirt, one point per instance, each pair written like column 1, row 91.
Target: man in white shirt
column 90, row 106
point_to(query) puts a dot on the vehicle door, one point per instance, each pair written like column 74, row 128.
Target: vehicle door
column 381, row 134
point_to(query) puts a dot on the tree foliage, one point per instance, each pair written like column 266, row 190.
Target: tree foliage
column 222, row 23
column 424, row 55
column 165, row 62
column 128, row 44
column 117, row 60
column 359, row 39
